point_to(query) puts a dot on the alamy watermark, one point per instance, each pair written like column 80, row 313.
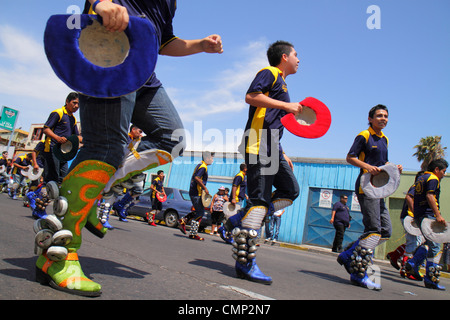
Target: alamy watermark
column 374, row 20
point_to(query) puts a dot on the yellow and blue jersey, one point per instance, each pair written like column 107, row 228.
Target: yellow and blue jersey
column 427, row 183
column 62, row 124
column 201, row 171
column 158, row 184
column 240, row 182
column 270, row 82
column 21, row 160
column 371, row 149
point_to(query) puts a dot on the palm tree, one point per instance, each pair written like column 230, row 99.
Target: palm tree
column 429, row 149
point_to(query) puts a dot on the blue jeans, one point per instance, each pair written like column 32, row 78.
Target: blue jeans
column 275, row 222
column 105, row 125
column 433, row 247
column 412, row 242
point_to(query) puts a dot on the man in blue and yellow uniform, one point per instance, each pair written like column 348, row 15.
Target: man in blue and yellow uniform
column 19, row 164
column 426, row 205
column 368, row 152
column 267, row 165
column 4, row 165
column 238, row 190
column 101, row 156
column 60, row 125
column 197, row 187
column 157, row 187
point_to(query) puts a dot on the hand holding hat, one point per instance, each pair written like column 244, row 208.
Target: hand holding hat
column 115, row 17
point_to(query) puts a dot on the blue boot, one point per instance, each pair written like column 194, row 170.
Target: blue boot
column 344, row 258
column 104, row 209
column 120, row 206
column 250, row 271
column 412, row 266
column 235, row 220
column 37, row 203
column 364, row 282
column 431, row 279
column 225, row 235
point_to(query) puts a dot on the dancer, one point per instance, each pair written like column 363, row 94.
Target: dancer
column 426, row 205
column 157, row 187
column 60, row 125
column 197, row 187
column 104, row 141
column 368, row 152
column 412, row 246
column 134, row 186
column 19, row 164
column 267, row 165
column 238, row 196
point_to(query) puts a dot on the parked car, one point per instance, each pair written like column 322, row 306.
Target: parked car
column 177, row 205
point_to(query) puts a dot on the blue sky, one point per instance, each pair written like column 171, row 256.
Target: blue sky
column 404, row 65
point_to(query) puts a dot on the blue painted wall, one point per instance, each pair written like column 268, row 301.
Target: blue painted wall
column 310, row 173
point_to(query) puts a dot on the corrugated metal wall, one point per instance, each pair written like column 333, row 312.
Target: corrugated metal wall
column 318, row 175
column 332, row 174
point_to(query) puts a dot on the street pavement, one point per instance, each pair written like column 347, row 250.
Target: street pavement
column 136, row 262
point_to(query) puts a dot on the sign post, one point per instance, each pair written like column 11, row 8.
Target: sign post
column 8, row 121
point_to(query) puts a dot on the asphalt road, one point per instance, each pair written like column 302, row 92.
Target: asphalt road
column 138, row 262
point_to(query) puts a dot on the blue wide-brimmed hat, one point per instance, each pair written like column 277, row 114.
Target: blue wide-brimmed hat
column 111, row 65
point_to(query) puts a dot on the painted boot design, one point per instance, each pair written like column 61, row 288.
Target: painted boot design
column 81, row 188
column 412, row 266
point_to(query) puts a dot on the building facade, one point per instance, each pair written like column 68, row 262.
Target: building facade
column 322, row 181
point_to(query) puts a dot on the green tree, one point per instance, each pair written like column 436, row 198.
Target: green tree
column 429, row 149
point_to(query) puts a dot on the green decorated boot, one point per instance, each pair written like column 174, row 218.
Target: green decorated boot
column 82, row 188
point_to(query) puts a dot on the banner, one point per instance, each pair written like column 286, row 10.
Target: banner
column 8, row 118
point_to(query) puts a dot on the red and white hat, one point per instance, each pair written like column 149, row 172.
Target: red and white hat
column 313, row 122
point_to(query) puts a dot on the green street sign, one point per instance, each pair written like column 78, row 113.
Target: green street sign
column 8, row 118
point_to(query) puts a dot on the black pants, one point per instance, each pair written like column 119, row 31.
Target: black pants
column 338, row 237
column 260, row 185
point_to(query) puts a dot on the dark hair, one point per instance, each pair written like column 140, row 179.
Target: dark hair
column 133, row 126
column 242, row 166
column 159, row 172
column 418, row 174
column 207, row 154
column 276, row 51
column 72, row 96
column 377, row 107
column 437, row 163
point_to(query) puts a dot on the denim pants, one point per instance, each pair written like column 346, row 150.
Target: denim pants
column 275, row 223
column 376, row 217
column 412, row 242
column 105, row 125
column 433, row 247
column 259, row 185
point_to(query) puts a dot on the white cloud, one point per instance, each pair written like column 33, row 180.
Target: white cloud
column 27, row 81
column 24, row 70
column 227, row 90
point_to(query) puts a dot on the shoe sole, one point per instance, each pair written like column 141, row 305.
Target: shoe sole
column 45, row 279
column 242, row 275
